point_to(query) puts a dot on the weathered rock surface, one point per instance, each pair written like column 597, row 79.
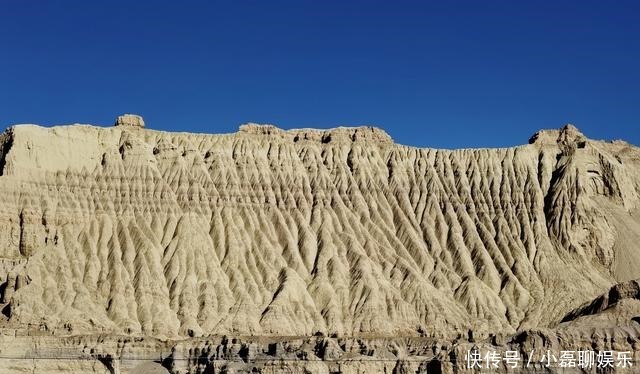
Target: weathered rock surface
column 131, row 232
column 129, row 120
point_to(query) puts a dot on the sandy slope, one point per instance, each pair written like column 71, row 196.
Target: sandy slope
column 126, row 230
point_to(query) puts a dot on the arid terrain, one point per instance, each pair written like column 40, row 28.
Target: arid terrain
column 129, row 250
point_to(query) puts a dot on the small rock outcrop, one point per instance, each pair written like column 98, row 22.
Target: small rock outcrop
column 132, row 120
column 566, row 136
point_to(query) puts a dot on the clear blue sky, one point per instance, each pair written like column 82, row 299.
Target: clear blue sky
column 442, row 74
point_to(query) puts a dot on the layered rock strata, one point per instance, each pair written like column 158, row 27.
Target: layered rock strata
column 127, row 231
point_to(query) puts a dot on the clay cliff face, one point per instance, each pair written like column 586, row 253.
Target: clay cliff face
column 131, row 231
column 271, row 232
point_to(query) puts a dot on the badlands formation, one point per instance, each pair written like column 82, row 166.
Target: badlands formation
column 129, row 250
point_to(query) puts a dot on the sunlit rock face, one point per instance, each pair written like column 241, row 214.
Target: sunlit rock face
column 129, row 120
column 130, row 231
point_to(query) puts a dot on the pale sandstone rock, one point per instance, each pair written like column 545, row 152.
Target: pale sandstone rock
column 340, row 232
column 129, row 120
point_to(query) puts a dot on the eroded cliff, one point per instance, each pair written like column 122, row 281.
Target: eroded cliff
column 266, row 232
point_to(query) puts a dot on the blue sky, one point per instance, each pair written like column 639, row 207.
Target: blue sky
column 443, row 74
